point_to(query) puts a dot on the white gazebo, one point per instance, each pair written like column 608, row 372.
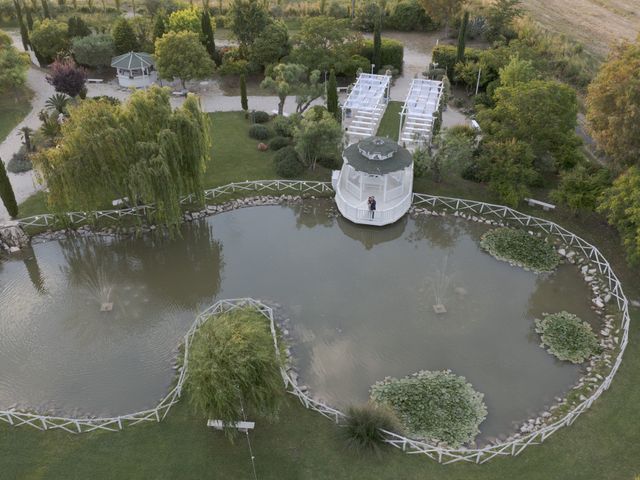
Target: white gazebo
column 365, row 105
column 419, row 113
column 374, row 167
column 135, row 69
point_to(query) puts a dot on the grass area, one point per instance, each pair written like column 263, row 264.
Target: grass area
column 13, row 108
column 603, row 444
column 390, row 121
column 234, row 157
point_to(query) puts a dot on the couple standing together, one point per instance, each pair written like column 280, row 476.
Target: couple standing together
column 371, row 202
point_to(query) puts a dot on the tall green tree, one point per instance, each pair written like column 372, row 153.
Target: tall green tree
column 6, row 192
column 500, row 15
column 185, row 20
column 542, row 113
column 182, row 55
column 283, row 80
column 28, row 16
column 462, row 36
column 613, row 105
column 621, row 205
column 377, row 45
column 233, row 369
column 249, row 18
column 271, row 45
column 140, row 149
column 244, row 103
column 208, row 38
column 508, row 167
column 160, row 25
column 580, row 189
column 94, row 51
column 24, row 34
column 49, row 39
column 517, row 71
column 124, row 38
column 45, row 9
column 332, row 95
column 317, row 135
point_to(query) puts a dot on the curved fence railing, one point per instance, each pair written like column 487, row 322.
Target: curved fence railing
column 259, row 186
column 440, row 454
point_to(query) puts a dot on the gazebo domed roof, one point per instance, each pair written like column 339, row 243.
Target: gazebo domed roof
column 377, row 156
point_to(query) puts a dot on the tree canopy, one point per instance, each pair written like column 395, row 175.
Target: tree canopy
column 94, row 50
column 182, row 55
column 621, row 205
column 317, row 136
column 124, row 38
column 185, row 20
column 49, row 39
column 271, row 45
column 66, row 77
column 613, row 105
column 141, row 150
column 233, row 369
column 249, row 18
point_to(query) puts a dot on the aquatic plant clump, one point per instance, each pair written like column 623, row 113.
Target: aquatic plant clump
column 518, row 247
column 362, row 429
column 438, row 405
column 567, row 337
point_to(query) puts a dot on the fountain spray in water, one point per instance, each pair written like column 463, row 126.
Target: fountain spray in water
column 96, row 281
column 439, row 286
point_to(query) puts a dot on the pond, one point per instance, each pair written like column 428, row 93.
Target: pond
column 360, row 302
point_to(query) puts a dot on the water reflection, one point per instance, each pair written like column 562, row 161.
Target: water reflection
column 444, row 235
column 371, row 236
column 33, row 268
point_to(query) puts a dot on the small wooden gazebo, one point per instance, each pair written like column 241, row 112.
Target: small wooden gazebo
column 135, row 69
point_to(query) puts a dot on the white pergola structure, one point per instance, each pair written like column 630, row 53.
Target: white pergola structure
column 365, row 105
column 419, row 113
column 379, row 168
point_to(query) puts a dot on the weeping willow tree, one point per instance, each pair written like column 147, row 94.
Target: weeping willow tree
column 140, row 150
column 233, row 369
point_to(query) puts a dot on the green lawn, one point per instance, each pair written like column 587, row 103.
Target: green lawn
column 13, row 109
column 390, row 121
column 603, row 444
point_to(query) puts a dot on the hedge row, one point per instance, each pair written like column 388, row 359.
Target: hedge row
column 392, row 52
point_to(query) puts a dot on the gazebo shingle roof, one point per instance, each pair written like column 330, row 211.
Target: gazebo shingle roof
column 133, row 61
column 400, row 159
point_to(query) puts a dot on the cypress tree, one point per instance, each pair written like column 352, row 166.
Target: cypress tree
column 29, row 17
column 160, row 25
column 332, row 94
column 6, row 192
column 462, row 35
column 45, row 9
column 24, row 34
column 207, row 31
column 377, row 46
column 243, row 94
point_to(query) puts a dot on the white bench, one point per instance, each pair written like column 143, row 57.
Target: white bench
column 241, row 426
column 94, row 80
column 537, row 203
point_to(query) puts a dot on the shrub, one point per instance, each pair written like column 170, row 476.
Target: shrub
column 20, row 161
column 567, row 337
column 392, row 52
column 363, row 424
column 259, row 132
column 438, row 406
column 517, row 246
column 49, row 39
column 410, row 16
column 232, row 367
column 277, row 143
column 337, row 10
column 283, row 126
column 287, row 163
column 94, row 50
column 260, row 117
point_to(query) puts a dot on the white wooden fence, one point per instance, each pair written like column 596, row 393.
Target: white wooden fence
column 440, row 454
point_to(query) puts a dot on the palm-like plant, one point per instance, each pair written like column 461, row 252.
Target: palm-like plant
column 57, row 102
column 50, row 128
column 25, row 133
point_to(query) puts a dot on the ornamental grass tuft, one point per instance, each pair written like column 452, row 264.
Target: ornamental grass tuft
column 363, row 424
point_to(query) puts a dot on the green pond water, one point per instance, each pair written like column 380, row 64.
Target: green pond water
column 360, row 301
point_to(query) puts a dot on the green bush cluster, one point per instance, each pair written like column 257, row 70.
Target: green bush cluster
column 260, row 117
column 517, row 246
column 438, row 406
column 392, row 52
column 288, row 163
column 276, row 143
column 284, row 126
column 567, row 337
column 259, row 132
column 410, row 16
